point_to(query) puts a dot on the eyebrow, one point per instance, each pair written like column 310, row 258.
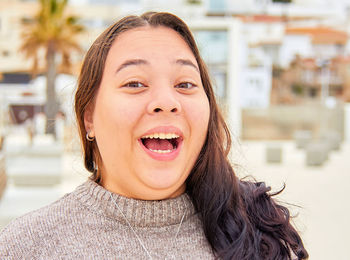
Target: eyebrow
column 187, row 63
column 133, row 62
column 136, row 62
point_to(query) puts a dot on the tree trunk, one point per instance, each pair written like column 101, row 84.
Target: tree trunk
column 52, row 106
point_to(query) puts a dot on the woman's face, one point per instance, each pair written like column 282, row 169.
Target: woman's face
column 150, row 116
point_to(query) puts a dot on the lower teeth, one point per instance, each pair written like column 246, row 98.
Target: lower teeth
column 161, row 151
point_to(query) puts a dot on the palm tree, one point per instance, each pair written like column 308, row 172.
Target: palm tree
column 54, row 32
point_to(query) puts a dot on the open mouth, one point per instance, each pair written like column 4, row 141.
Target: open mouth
column 162, row 143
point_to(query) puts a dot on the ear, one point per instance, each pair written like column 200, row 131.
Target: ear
column 88, row 121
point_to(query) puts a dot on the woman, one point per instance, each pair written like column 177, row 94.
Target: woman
column 156, row 145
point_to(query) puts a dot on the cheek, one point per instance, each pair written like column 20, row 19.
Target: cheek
column 115, row 119
column 198, row 115
column 114, row 110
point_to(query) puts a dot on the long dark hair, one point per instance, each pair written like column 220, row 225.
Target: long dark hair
column 240, row 218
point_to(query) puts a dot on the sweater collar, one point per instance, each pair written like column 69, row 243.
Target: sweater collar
column 141, row 213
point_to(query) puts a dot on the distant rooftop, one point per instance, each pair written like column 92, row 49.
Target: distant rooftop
column 321, row 35
column 261, row 18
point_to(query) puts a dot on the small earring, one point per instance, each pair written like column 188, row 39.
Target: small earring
column 90, row 139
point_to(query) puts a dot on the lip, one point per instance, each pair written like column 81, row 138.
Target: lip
column 164, row 129
column 163, row 156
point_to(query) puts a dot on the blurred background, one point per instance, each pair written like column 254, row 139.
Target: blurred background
column 281, row 73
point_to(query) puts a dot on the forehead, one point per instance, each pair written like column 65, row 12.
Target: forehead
column 150, row 42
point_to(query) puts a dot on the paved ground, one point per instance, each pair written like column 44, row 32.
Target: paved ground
column 321, row 193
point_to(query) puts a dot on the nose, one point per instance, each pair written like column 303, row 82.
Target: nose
column 164, row 99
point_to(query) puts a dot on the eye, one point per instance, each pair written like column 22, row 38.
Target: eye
column 134, row 84
column 186, row 85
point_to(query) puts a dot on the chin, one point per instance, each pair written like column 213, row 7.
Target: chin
column 164, row 180
column 161, row 194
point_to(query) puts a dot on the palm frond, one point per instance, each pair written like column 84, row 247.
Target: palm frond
column 52, row 30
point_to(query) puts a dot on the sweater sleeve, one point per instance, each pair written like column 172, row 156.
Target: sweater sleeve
column 17, row 240
column 31, row 235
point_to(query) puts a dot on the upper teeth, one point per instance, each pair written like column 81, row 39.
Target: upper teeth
column 161, row 136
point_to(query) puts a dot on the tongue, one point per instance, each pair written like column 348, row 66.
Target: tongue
column 158, row 144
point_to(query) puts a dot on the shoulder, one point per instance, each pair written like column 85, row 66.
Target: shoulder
column 35, row 229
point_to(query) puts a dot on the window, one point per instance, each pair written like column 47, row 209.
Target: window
column 5, row 53
column 27, row 20
column 217, row 6
column 282, row 1
column 210, row 42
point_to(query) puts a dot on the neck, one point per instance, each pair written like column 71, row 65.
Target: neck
column 146, row 193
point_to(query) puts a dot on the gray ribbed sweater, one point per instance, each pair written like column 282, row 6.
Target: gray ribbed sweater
column 86, row 224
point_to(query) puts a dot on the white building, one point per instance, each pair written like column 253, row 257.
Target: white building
column 293, row 45
column 256, row 34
